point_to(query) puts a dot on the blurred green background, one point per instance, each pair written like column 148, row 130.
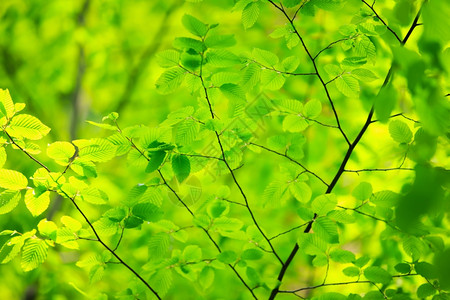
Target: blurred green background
column 73, row 60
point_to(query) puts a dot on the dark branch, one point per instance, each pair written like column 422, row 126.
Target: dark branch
column 382, row 21
column 219, row 141
column 291, row 21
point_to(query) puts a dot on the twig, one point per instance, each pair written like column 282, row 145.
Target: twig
column 340, row 283
column 291, row 21
column 379, row 170
column 382, row 21
column 72, row 199
column 287, row 231
column 219, row 141
column 333, row 43
column 291, row 159
column 134, row 146
column 281, row 72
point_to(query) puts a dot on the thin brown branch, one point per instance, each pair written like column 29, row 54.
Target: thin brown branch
column 382, row 21
column 281, row 72
column 72, row 199
column 291, row 159
column 219, row 141
column 341, row 283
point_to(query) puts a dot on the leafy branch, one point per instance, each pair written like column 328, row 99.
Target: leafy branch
column 205, row 89
column 352, row 145
column 341, row 283
column 313, row 61
column 134, row 146
column 291, row 159
column 281, row 72
column 90, row 224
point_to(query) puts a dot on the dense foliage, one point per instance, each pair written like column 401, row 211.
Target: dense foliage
column 282, row 149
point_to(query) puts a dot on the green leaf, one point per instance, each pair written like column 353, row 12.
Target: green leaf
column 221, row 58
column 385, row 102
column 272, row 80
column 252, row 75
column 351, row 271
column 47, row 228
column 220, row 41
column 97, row 150
column 294, row 123
column 253, row 276
column 2, row 157
column 181, row 167
column 37, row 203
column 265, row 57
column 71, row 223
column 227, row 257
column 400, row 132
column 112, row 116
column 364, row 75
column 12, row 180
column 312, row 109
column 362, row 191
column 252, row 254
column 170, row 80
column 185, row 43
column 312, row 243
column 250, row 14
column 347, row 85
column 354, row 61
column 105, row 226
column 168, row 58
column 27, row 126
column 103, row 125
column 156, row 160
column 403, row 268
column 147, row 212
column 8, row 201
column 224, row 224
column 320, row 260
column 34, row 253
column 94, row 195
column 7, row 104
column 158, row 245
column 362, row 261
column 192, row 253
column 96, row 273
column 426, row 270
column 377, row 275
column 326, row 229
column 194, row 25
column 425, row 290
column 206, row 277
column 301, row 191
column 190, row 61
column 414, row 247
column 333, row 70
column 233, row 92
column 342, row 256
column 290, row 63
column 323, row 204
column 385, row 199
column 221, row 78
column 218, row 208
column 84, row 168
column 61, row 152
